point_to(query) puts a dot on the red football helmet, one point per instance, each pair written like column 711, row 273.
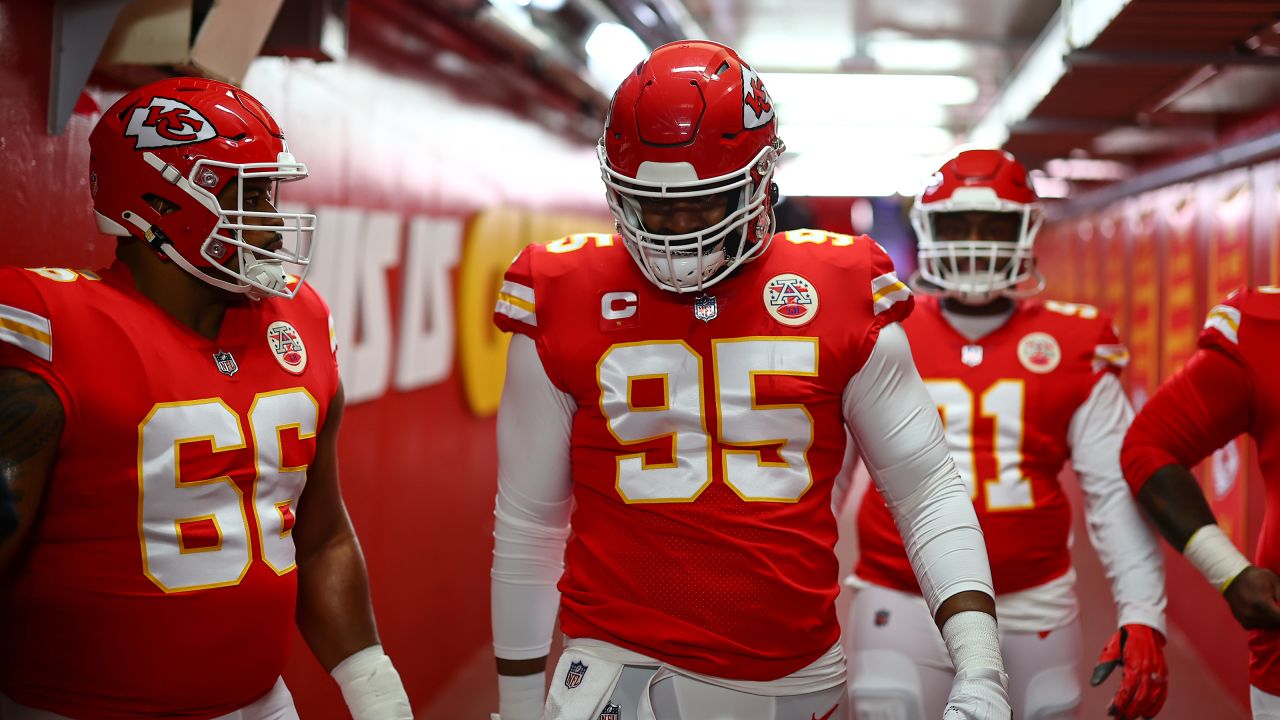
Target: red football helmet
column 182, row 140
column 978, row 270
column 693, row 120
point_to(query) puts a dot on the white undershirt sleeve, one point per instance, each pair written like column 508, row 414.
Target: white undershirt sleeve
column 1120, row 535
column 899, row 434
column 533, row 505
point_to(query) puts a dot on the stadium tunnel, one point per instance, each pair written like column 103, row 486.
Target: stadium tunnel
column 444, row 135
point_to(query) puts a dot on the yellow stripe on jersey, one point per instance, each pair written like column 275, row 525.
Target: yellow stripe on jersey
column 888, row 290
column 1226, row 320
column 26, row 330
column 518, row 302
column 1233, row 323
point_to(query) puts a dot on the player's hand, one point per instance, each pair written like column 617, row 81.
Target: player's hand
column 979, row 694
column 1144, row 684
column 1252, row 597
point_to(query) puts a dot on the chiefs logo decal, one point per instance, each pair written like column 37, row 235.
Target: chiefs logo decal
column 757, row 107
column 166, row 123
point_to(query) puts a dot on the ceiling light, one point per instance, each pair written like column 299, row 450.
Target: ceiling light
column 866, row 175
column 924, row 55
column 1088, row 169
column 1050, row 187
column 872, row 89
column 819, row 110
column 613, row 51
column 851, row 140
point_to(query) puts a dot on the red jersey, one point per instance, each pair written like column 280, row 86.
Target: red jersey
column 707, row 436
column 1230, row 386
column 160, row 578
column 1007, row 400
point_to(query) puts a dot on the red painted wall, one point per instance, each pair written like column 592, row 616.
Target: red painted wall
column 1158, row 262
column 423, row 195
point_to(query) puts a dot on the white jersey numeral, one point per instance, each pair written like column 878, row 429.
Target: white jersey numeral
column 743, row 422
column 195, row 531
column 1004, row 404
column 679, row 417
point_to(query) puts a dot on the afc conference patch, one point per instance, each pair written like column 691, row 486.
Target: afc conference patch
column 790, row 299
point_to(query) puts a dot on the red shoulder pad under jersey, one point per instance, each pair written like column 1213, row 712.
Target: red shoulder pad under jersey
column 26, row 324
column 516, row 310
column 1229, row 320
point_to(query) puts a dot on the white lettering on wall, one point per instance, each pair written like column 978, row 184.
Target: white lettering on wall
column 426, row 339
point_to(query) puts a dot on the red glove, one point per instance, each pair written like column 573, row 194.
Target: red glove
column 1145, row 683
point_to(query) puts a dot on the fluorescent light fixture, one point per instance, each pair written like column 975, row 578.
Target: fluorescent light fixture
column 779, row 51
column 919, row 55
column 819, row 110
column 613, row 51
column 514, row 16
column 1088, row 169
column 1089, row 18
column 872, row 89
column 546, row 5
column 643, row 13
column 863, row 175
column 1050, row 187
column 853, row 140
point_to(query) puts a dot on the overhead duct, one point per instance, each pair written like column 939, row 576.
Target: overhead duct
column 213, row 38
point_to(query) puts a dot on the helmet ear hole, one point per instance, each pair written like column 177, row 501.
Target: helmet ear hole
column 160, row 205
column 773, row 193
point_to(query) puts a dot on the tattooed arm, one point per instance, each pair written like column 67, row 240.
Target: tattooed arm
column 31, row 421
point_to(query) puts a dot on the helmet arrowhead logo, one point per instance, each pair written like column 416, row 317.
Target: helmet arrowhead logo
column 757, row 108
column 165, row 123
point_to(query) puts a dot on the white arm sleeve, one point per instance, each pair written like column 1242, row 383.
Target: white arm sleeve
column 899, row 433
column 532, row 510
column 1119, row 533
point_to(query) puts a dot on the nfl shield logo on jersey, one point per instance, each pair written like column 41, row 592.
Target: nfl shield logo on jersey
column 577, row 671
column 611, row 712
column 705, row 308
column 226, row 363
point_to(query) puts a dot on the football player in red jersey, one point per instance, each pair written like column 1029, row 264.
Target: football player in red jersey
column 168, row 426
column 1023, row 388
column 675, row 409
column 1229, row 387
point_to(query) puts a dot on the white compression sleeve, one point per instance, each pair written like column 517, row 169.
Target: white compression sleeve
column 533, row 504
column 899, row 434
column 1120, row 535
